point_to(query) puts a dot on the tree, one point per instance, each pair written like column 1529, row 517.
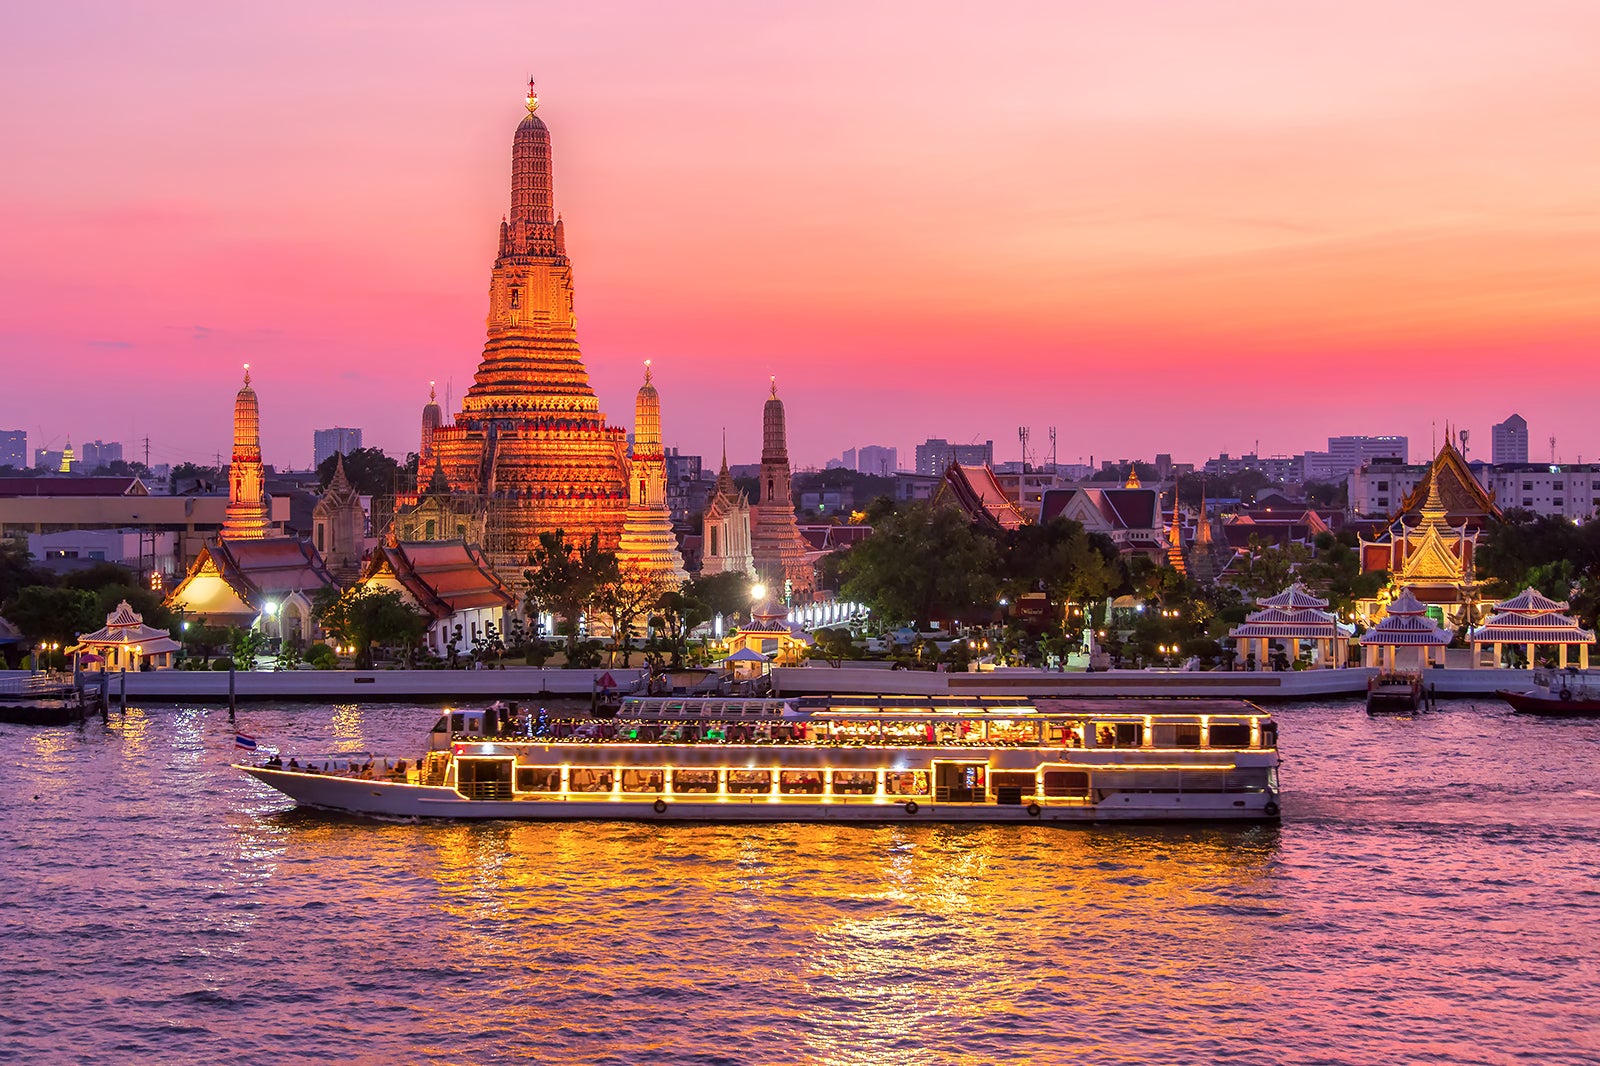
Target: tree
column 121, row 468
column 363, row 617
column 1270, row 568
column 190, row 477
column 1335, row 571
column 566, row 579
column 923, row 559
column 54, row 614
column 17, row 569
column 624, row 598
column 370, row 471
column 1058, row 558
column 244, row 645
column 727, row 594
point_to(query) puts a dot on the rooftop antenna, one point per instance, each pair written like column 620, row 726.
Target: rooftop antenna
column 1552, row 449
column 1022, row 435
column 1464, row 434
column 1052, row 449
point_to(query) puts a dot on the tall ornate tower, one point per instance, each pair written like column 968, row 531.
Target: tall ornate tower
column 432, row 419
column 530, row 439
column 247, row 517
column 338, row 526
column 647, row 537
column 725, row 529
column 775, row 542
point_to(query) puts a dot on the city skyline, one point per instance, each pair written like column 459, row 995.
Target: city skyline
column 1329, row 223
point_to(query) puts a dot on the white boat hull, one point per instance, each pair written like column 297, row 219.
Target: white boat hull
column 389, row 799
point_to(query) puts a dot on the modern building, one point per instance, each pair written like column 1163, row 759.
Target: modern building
column 51, row 459
column 143, row 551
column 876, row 459
column 1510, row 441
column 336, row 440
column 98, row 453
column 1284, row 469
column 935, row 455
column 1349, row 453
column 1561, row 490
column 14, row 448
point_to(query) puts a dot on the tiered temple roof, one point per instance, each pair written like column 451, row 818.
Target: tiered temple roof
column 1406, row 625
column 231, row 582
column 1293, row 614
column 1530, row 617
column 443, row 577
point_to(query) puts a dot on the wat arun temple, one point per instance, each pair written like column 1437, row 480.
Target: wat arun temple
column 530, row 450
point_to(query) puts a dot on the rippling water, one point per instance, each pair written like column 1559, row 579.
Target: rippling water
column 1431, row 896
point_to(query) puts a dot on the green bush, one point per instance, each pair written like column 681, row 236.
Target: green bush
column 321, row 657
column 222, row 664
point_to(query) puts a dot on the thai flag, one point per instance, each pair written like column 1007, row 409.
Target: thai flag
column 245, row 741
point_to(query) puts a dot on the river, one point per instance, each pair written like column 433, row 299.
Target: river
column 1432, row 895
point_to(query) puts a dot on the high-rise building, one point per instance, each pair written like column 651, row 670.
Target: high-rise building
column 248, row 516
column 1347, row 454
column 98, row 453
column 1510, row 444
column 848, row 459
column 935, row 455
column 530, row 440
column 14, row 448
column 336, row 440
column 48, row 459
column 876, row 459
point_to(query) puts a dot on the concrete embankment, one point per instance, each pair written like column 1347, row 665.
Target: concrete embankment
column 1289, row 685
column 355, row 686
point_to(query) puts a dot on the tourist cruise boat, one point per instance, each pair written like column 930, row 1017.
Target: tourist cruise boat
column 858, row 759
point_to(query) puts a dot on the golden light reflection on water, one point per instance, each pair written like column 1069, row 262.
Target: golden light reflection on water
column 347, row 727
column 134, row 726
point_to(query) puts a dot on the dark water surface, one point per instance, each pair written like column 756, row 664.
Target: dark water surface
column 1433, row 895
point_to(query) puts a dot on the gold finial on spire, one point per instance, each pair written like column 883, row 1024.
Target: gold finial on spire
column 774, row 386
column 533, row 98
column 432, row 396
column 647, row 371
column 247, row 373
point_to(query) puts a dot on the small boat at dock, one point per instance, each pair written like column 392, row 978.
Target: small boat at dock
column 1570, row 693
column 866, row 759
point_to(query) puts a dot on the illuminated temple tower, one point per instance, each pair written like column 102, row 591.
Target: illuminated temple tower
column 775, row 542
column 432, row 419
column 647, row 537
column 530, row 440
column 247, row 517
column 725, row 529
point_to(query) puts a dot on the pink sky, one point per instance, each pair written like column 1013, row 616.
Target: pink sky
column 1178, row 227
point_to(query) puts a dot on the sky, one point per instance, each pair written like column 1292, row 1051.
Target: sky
column 1176, row 227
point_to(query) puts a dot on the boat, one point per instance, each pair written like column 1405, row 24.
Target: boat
column 1395, row 693
column 1570, row 693
column 856, row 759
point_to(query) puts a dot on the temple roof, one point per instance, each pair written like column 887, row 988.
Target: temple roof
column 1294, row 598
column 1459, row 492
column 1118, row 508
column 1531, row 601
column 1406, row 622
column 1530, row 618
column 975, row 490
column 12, row 487
column 443, row 576
column 124, row 625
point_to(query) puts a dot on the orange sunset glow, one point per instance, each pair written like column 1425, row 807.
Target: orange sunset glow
column 1166, row 227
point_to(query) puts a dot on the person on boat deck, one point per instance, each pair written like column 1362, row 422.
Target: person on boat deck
column 274, row 763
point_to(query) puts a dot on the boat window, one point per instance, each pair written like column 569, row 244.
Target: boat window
column 1118, row 734
column 538, row 779
column 588, row 779
column 694, row 781
column 855, row 782
column 1269, row 734
column 1009, row 786
column 643, row 780
column 1008, row 731
column 1066, row 783
column 1177, row 735
column 750, row 781
column 906, row 783
column 1231, row 735
column 458, row 723
column 800, row 782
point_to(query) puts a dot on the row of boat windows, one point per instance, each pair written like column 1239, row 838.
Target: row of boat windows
column 945, row 733
column 894, row 784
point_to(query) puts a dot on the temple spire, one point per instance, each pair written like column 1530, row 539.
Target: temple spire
column 532, row 98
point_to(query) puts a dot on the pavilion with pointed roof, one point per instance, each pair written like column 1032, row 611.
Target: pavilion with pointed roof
column 1531, row 620
column 125, row 643
column 769, row 633
column 1405, row 626
column 1292, row 616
